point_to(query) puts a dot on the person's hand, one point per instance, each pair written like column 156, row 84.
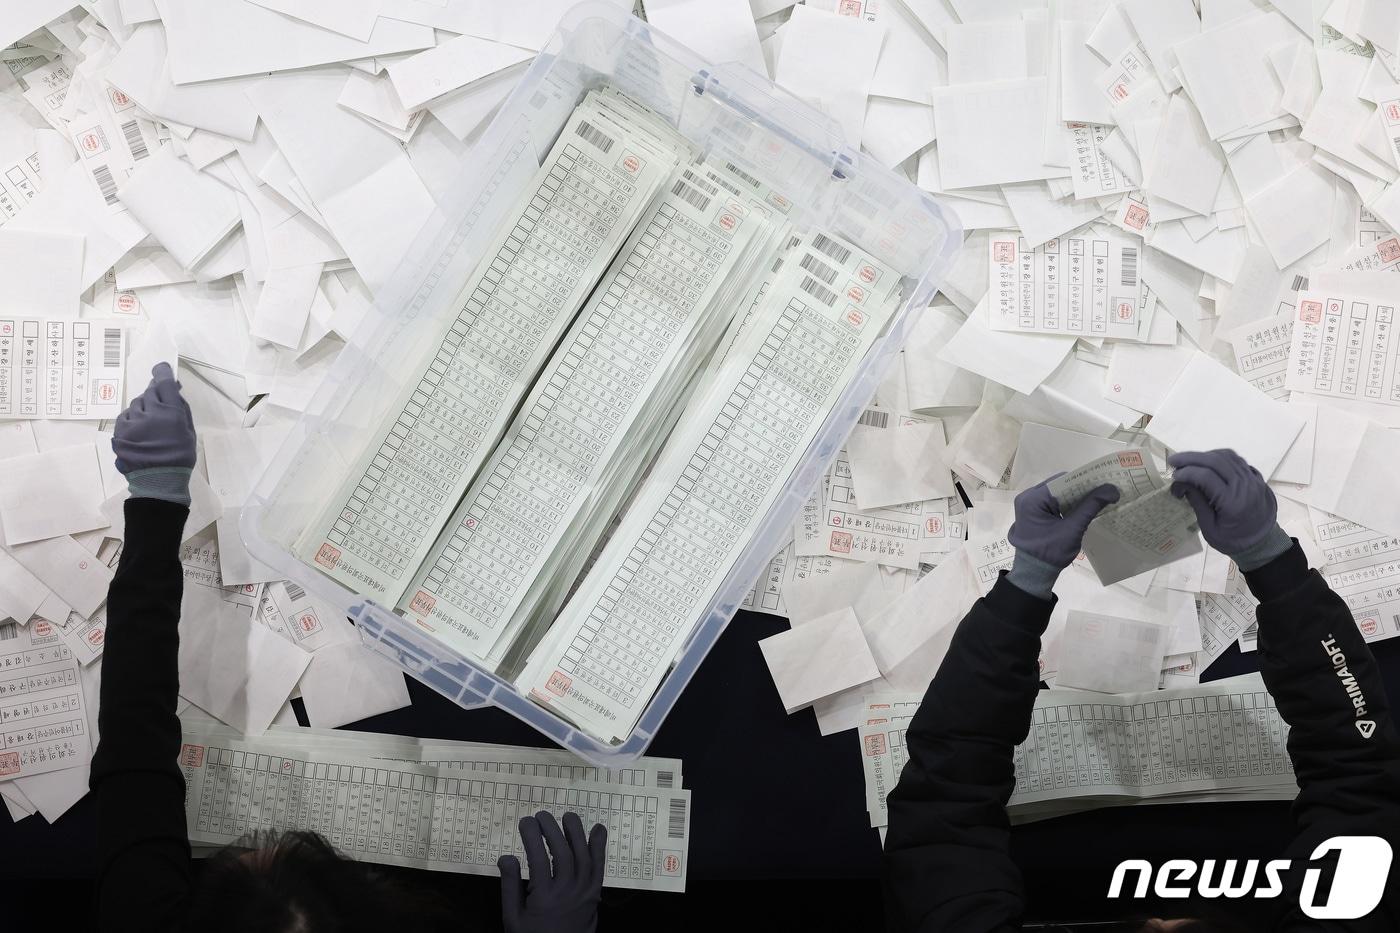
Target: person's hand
column 1041, row 531
column 1047, row 541
column 1235, row 507
column 154, row 440
column 562, row 897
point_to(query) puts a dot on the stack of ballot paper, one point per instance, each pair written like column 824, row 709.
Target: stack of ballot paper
column 625, row 439
column 446, row 806
column 1219, row 741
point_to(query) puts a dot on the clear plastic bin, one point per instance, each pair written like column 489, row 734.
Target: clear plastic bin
column 730, row 113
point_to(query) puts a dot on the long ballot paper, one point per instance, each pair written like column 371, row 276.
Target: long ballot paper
column 597, row 180
column 1084, row 750
column 636, row 329
column 440, row 806
column 723, row 467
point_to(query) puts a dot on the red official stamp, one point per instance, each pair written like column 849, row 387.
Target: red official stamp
column 328, row 556
column 934, row 524
column 1166, row 546
column 106, row 390
column 1003, row 251
column 1130, row 459
column 855, row 316
column 849, row 8
column 1389, row 250
column 630, row 164
column 309, row 621
column 1136, row 217
column 1392, row 112
column 127, row 303
column 192, row 756
column 96, row 636
column 1369, row 627
column 855, row 293
column 670, row 863
column 9, row 763
column 43, row 628
column 119, row 100
column 559, row 683
column 841, row 542
column 1310, row 312
column 422, row 603
column 1126, row 310
column 868, row 274
column 874, row 745
column 727, row 222
column 93, row 141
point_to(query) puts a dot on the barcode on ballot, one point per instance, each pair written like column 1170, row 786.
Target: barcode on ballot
column 701, row 183
column 689, row 195
column 295, row 593
column 873, row 418
column 1130, row 279
column 594, row 135
column 818, row 268
column 675, row 821
column 9, row 630
column 134, row 143
column 112, row 347
column 105, row 184
column 818, row 291
column 833, row 249
column 666, row 779
column 743, row 174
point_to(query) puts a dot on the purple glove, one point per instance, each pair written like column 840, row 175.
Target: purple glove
column 1235, row 507
column 561, row 899
column 154, row 440
column 1047, row 542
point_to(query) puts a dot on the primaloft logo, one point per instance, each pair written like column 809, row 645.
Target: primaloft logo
column 1367, row 727
column 1363, row 864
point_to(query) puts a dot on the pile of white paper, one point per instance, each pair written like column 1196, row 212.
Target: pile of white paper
column 1176, row 220
column 1181, row 228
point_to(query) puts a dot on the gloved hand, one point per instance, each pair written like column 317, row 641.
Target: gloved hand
column 154, row 441
column 1046, row 541
column 561, row 900
column 1235, row 507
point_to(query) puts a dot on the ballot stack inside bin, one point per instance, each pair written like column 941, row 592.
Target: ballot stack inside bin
column 601, row 382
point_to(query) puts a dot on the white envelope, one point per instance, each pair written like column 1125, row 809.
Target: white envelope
column 211, row 39
column 42, row 273
column 818, row 658
column 452, row 65
column 1210, row 407
column 991, row 133
column 48, row 494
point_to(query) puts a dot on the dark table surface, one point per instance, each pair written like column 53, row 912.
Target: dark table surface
column 774, row 799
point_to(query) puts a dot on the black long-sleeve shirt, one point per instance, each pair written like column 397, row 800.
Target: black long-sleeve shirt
column 947, row 861
column 143, row 874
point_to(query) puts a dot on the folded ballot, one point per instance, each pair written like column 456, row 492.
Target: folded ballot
column 1146, row 528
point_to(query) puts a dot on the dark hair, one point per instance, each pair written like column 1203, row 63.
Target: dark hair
column 296, row 882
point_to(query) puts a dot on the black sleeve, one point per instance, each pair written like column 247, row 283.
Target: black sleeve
column 1342, row 739
column 143, row 848
column 947, row 864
